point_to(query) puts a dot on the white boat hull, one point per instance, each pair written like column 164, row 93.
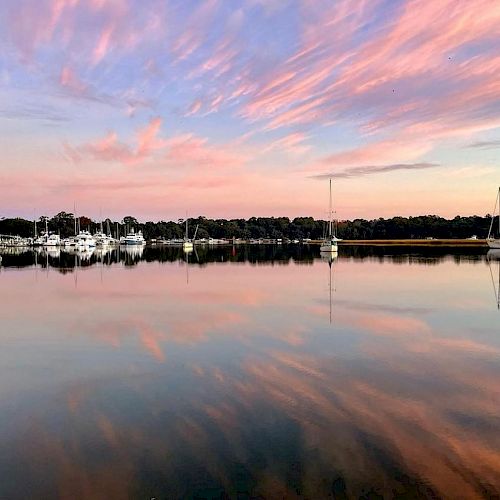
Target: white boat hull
column 133, row 242
column 329, row 248
column 492, row 243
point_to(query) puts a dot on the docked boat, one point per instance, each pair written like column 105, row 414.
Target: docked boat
column 133, row 238
column 104, row 239
column 330, row 243
column 491, row 240
column 69, row 242
column 84, row 240
column 47, row 238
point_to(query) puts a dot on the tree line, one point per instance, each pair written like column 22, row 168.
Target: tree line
column 424, row 226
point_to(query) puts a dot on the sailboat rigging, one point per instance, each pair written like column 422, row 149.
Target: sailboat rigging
column 330, row 243
column 491, row 240
column 187, row 244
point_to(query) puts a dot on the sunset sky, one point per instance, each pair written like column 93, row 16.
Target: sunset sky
column 235, row 108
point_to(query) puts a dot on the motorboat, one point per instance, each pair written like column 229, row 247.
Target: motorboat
column 133, row 238
column 84, row 240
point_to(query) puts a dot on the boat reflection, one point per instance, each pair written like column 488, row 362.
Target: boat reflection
column 254, row 254
column 492, row 257
column 330, row 258
column 83, row 254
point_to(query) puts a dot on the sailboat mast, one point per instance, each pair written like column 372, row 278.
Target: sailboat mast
column 494, row 214
column 498, row 289
column 330, row 211
column 74, row 214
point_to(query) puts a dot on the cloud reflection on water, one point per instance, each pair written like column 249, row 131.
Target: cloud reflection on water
column 237, row 382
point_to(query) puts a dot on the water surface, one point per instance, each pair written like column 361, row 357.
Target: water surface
column 244, row 372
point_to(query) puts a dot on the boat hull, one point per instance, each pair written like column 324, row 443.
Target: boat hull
column 135, row 243
column 492, row 243
column 329, row 248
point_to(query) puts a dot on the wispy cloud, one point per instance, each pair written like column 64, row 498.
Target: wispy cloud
column 485, row 144
column 181, row 150
column 374, row 169
column 39, row 112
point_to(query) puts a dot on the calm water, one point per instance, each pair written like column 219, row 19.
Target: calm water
column 249, row 372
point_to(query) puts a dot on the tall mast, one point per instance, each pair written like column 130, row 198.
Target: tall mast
column 186, row 237
column 34, row 219
column 330, row 211
column 494, row 214
column 74, row 214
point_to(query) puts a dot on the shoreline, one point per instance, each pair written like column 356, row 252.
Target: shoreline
column 418, row 242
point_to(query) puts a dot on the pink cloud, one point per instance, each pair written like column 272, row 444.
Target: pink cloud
column 195, row 107
column 110, row 149
column 182, row 150
column 293, row 143
column 194, row 31
column 330, row 78
column 103, row 43
column 190, row 150
column 70, row 80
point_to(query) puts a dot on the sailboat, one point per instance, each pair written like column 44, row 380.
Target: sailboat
column 330, row 243
column 188, row 244
column 491, row 240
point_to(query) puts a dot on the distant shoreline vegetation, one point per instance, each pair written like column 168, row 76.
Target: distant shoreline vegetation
column 418, row 227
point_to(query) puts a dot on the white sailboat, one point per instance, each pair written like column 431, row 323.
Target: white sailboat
column 491, row 240
column 330, row 243
column 188, row 244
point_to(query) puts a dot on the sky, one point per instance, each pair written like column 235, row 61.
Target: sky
column 240, row 108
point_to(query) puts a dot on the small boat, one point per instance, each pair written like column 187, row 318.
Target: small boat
column 103, row 239
column 69, row 242
column 84, row 240
column 47, row 239
column 133, row 238
column 330, row 243
column 491, row 240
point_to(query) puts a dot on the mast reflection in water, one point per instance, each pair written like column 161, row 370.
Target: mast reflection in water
column 268, row 373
